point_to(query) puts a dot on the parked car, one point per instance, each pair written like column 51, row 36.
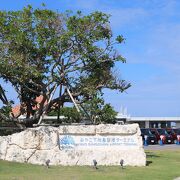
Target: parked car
column 172, row 133
column 168, row 139
column 155, row 132
column 151, row 139
column 177, row 132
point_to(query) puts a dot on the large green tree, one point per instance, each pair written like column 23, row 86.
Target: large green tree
column 42, row 51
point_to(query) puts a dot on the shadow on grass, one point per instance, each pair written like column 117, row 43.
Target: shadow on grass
column 151, row 155
column 148, row 163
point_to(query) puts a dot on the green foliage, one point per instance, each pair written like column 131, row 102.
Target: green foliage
column 108, row 114
column 98, row 111
column 94, row 110
column 120, row 39
column 7, row 109
column 70, row 113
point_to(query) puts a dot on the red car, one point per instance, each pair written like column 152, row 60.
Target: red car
column 156, row 133
column 172, row 133
column 164, row 135
column 177, row 131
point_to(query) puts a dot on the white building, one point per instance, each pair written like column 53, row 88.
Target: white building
column 151, row 122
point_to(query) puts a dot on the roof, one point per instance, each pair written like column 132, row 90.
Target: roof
column 154, row 119
column 16, row 109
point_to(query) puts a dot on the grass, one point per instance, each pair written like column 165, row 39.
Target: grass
column 163, row 165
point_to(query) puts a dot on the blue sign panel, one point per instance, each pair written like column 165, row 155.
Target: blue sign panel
column 72, row 141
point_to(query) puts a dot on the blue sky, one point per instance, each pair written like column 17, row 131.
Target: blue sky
column 152, row 50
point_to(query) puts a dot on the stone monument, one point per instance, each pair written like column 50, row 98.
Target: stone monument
column 76, row 145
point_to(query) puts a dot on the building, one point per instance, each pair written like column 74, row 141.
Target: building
column 151, row 122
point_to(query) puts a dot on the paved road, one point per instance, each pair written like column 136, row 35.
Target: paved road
column 164, row 147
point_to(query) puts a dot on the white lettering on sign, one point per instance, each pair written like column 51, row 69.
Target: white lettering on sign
column 72, row 141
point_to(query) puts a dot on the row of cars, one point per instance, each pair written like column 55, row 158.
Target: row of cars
column 159, row 135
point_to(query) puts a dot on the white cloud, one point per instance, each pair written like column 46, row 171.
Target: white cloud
column 126, row 16
column 164, row 47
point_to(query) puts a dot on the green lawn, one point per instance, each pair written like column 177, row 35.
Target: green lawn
column 163, row 165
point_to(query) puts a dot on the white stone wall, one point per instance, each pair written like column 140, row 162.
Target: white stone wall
column 37, row 145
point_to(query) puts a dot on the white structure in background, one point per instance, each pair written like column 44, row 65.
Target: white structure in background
column 156, row 122
column 122, row 117
column 147, row 122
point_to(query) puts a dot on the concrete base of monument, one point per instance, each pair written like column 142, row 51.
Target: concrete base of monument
column 76, row 145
